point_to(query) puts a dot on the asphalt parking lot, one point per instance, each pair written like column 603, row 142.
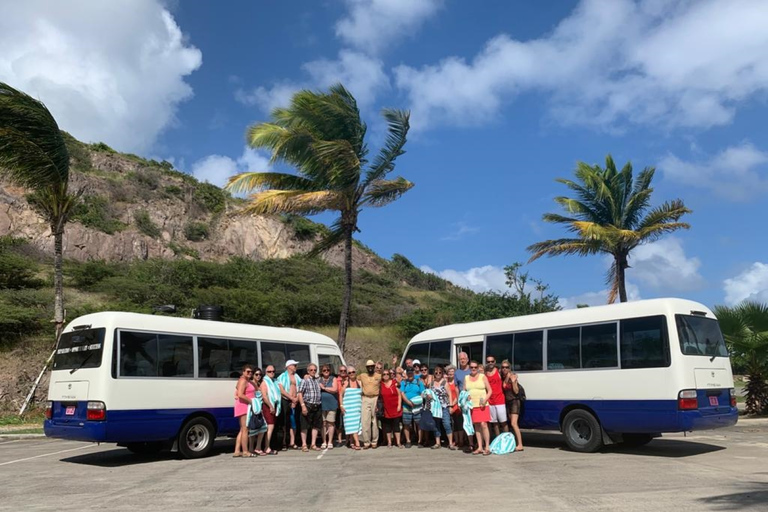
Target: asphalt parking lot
column 711, row 470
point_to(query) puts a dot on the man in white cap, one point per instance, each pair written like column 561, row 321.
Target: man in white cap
column 289, row 389
column 371, row 382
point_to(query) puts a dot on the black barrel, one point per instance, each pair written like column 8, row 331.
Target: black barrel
column 209, row 312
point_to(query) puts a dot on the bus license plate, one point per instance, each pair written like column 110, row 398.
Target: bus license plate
column 70, row 410
column 713, row 401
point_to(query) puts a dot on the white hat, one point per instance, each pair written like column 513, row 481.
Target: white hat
column 290, row 362
column 416, row 361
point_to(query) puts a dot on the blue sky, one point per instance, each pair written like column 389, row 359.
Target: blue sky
column 505, row 97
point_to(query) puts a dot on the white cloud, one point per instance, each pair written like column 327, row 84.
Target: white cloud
column 462, row 229
column 664, row 266
column 479, row 279
column 373, row 24
column 597, row 298
column 108, row 71
column 216, row 169
column 737, row 172
column 608, row 63
column 364, row 76
column 751, row 284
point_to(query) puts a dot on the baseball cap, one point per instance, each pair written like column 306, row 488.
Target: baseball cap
column 370, row 363
column 290, row 362
column 416, row 362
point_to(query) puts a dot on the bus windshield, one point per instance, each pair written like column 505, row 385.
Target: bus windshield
column 79, row 349
column 700, row 336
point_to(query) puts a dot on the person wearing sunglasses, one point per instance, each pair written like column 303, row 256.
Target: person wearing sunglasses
column 330, row 399
column 514, row 395
column 393, row 408
column 352, row 407
column 310, row 399
column 270, row 395
column 244, row 393
column 255, row 437
column 289, row 382
column 440, row 388
column 496, row 402
column 410, row 392
column 341, row 381
column 476, row 384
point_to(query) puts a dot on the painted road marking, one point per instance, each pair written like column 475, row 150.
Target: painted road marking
column 47, row 454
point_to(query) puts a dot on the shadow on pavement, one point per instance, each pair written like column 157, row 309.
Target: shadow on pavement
column 119, row 457
column 755, row 495
column 659, row 447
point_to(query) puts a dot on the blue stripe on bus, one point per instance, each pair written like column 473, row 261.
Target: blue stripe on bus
column 130, row 426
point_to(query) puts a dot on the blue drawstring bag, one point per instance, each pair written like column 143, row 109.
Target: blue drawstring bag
column 504, row 443
column 427, row 421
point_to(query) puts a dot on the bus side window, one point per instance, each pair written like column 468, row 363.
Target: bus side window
column 529, row 351
column 138, row 354
column 500, row 346
column 644, row 342
column 418, row 351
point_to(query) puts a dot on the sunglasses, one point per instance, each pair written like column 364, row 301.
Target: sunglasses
column 257, row 374
column 386, row 374
column 352, row 373
column 473, row 367
column 425, row 369
column 248, row 371
column 326, row 370
column 312, row 370
column 490, row 362
column 505, row 367
column 270, row 371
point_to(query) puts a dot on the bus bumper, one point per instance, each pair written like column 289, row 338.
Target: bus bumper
column 91, row 431
column 696, row 420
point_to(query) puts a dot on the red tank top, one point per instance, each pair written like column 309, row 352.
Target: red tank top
column 497, row 393
column 389, row 398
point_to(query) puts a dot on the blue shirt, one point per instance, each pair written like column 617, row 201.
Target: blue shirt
column 412, row 389
column 458, row 377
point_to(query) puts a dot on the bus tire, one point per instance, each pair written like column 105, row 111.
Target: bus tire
column 582, row 431
column 150, row 448
column 196, row 438
column 636, row 440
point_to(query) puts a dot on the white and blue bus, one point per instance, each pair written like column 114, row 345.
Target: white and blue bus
column 602, row 375
column 149, row 382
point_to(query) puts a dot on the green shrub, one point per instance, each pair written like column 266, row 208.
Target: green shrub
column 96, row 212
column 100, row 146
column 196, row 231
column 85, row 275
column 402, row 270
column 146, row 179
column 16, row 271
column 145, row 225
column 210, row 197
column 78, row 154
column 183, row 250
column 304, row 228
column 173, row 191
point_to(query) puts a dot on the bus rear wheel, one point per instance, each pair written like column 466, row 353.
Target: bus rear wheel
column 582, row 431
column 196, row 438
column 145, row 448
column 635, row 440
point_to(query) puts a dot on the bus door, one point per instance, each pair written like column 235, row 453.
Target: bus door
column 472, row 345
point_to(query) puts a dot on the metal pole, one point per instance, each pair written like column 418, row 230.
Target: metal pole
column 37, row 381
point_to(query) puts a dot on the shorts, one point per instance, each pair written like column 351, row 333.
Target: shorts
column 329, row 416
column 313, row 419
column 409, row 418
column 481, row 414
column 269, row 418
column 513, row 407
column 498, row 413
column 390, row 425
column 458, row 422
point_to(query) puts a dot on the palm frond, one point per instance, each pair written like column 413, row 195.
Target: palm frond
column 300, row 202
column 259, row 181
column 398, row 124
column 612, row 281
column 331, row 239
column 670, row 211
column 32, row 148
column 382, row 192
column 564, row 246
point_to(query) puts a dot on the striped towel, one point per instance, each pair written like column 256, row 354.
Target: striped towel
column 353, row 406
column 503, row 444
column 255, row 408
column 274, row 393
column 434, row 403
column 417, row 402
column 465, row 403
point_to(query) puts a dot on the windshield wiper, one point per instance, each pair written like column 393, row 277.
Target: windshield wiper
column 82, row 363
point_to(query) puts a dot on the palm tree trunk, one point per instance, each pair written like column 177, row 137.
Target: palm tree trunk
column 621, row 265
column 347, row 302
column 58, row 285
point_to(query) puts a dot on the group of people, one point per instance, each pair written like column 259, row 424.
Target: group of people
column 459, row 407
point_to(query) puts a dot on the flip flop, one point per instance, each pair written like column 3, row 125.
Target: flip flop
column 304, row 449
column 316, row 449
column 236, row 456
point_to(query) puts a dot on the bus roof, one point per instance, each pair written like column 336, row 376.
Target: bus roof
column 593, row 314
column 117, row 319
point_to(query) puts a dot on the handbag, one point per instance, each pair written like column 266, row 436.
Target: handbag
column 427, row 420
column 256, row 422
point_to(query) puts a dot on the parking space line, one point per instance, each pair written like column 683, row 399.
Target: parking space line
column 321, row 455
column 46, row 455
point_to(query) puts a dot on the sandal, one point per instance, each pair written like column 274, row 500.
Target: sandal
column 487, row 452
column 305, row 449
column 250, row 455
column 270, row 452
column 237, row 455
column 316, row 449
column 477, row 452
column 259, row 453
column 294, row 447
column 355, row 447
column 323, row 446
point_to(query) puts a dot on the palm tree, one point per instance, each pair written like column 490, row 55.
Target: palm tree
column 745, row 328
column 322, row 136
column 609, row 216
column 33, row 155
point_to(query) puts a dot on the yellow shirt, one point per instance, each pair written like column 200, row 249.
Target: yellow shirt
column 370, row 384
column 476, row 389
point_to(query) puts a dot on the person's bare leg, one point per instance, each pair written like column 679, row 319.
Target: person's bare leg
column 516, row 429
column 486, row 436
column 270, row 430
column 479, row 436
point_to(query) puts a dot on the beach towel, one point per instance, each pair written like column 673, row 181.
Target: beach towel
column 465, row 403
column 503, row 444
column 274, row 394
column 353, row 406
column 255, row 409
column 434, row 403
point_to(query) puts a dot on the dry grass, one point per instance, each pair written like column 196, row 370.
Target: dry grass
column 364, row 343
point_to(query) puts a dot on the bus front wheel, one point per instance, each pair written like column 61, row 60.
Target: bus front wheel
column 582, row 431
column 196, row 438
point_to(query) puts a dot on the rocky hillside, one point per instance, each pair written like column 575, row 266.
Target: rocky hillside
column 137, row 209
